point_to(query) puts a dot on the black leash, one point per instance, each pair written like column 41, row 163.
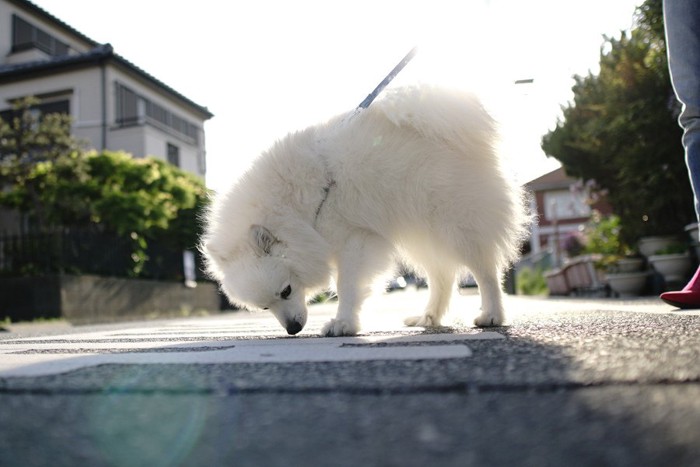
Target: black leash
column 392, row 74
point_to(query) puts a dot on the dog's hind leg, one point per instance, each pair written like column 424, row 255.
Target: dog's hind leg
column 491, row 297
column 440, row 282
column 363, row 257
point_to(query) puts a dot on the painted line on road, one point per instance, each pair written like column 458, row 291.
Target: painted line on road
column 35, row 357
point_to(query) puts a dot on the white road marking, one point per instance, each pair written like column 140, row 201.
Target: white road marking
column 220, row 340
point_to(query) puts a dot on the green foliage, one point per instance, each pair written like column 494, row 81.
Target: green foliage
column 46, row 176
column 146, row 196
column 650, row 17
column 142, row 199
column 621, row 131
column 604, row 236
column 531, row 282
column 604, row 239
column 675, row 248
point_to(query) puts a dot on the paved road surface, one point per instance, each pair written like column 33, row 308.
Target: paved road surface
column 568, row 382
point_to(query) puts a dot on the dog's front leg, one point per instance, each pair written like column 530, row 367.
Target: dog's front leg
column 363, row 256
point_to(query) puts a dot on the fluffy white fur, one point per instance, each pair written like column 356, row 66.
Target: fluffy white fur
column 415, row 174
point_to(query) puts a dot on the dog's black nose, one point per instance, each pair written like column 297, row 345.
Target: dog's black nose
column 293, row 327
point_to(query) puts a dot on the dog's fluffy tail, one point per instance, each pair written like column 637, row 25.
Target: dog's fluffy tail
column 449, row 116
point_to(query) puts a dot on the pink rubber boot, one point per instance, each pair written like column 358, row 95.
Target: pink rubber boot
column 689, row 297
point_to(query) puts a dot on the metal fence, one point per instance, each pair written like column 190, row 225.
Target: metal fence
column 89, row 251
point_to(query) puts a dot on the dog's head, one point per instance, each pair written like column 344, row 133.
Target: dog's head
column 262, row 275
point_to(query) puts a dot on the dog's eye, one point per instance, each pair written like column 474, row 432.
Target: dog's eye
column 286, row 292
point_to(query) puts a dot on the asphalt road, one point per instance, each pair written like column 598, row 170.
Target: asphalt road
column 567, row 382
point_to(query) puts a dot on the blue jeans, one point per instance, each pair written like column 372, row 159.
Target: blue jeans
column 682, row 20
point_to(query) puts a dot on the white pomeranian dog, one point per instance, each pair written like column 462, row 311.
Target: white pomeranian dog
column 414, row 176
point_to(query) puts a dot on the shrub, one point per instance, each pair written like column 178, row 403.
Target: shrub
column 531, row 282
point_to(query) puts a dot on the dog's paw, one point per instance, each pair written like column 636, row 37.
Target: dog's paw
column 421, row 321
column 339, row 327
column 489, row 320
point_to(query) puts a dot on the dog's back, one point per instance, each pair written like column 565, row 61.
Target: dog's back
column 421, row 165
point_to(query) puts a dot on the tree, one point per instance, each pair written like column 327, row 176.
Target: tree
column 28, row 142
column 621, row 130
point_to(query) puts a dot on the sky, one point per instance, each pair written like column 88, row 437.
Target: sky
column 266, row 68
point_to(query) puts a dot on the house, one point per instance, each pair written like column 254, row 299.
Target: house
column 114, row 104
column 561, row 205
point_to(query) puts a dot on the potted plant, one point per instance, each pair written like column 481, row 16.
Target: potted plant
column 623, row 270
column 625, row 264
column 672, row 262
column 650, row 245
column 626, row 276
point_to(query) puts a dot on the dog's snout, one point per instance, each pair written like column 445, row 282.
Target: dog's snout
column 293, row 327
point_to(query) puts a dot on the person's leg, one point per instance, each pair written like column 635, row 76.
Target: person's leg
column 682, row 20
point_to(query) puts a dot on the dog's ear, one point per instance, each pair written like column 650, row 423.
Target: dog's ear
column 262, row 240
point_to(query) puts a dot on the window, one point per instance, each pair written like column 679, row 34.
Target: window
column 174, row 155
column 26, row 36
column 172, row 121
column 127, row 106
column 44, row 108
column 564, row 204
column 22, row 33
column 134, row 109
column 55, row 107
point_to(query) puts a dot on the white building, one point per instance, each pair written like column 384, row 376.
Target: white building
column 114, row 104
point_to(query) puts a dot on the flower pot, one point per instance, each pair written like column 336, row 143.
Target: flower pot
column 650, row 245
column 627, row 284
column 556, row 282
column 674, row 268
column 624, row 265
